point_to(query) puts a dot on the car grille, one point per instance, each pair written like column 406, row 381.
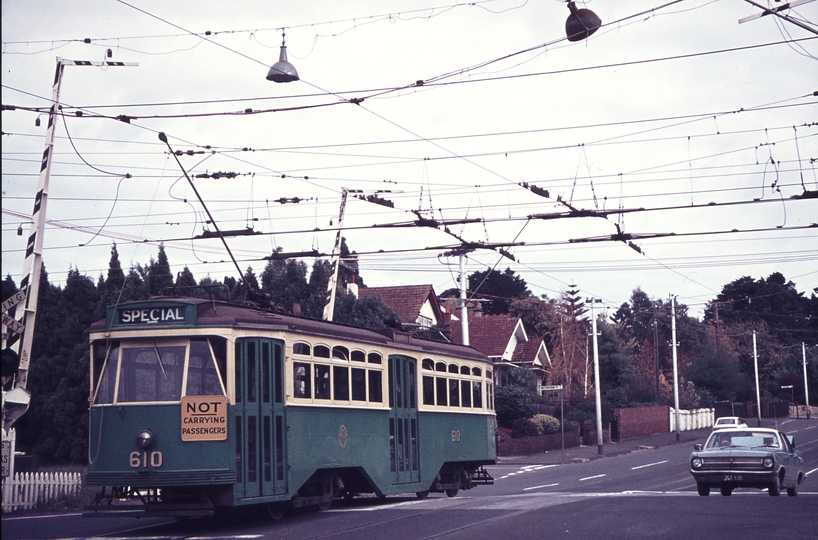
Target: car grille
column 733, row 463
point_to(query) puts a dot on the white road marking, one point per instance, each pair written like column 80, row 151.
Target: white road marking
column 648, row 465
column 591, row 477
column 812, row 471
column 540, row 487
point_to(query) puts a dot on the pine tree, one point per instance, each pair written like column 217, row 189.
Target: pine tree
column 159, row 274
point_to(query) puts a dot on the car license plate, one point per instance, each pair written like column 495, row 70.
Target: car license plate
column 732, row 478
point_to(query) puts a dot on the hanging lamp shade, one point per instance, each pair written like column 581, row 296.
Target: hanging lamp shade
column 581, row 23
column 282, row 71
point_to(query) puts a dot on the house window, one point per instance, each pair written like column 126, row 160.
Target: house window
column 424, row 322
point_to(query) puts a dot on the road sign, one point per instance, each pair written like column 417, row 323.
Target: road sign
column 552, row 387
column 13, row 324
column 6, row 458
column 14, row 299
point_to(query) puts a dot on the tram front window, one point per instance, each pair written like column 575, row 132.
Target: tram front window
column 202, row 376
column 151, row 373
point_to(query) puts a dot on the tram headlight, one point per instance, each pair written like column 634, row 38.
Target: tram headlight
column 145, row 439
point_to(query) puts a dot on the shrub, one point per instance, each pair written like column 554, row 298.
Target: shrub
column 511, row 403
column 523, row 427
column 546, row 423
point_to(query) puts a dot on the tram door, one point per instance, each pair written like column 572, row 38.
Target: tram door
column 403, row 419
column 260, row 423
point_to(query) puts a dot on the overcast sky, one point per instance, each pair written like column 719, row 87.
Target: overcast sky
column 692, row 124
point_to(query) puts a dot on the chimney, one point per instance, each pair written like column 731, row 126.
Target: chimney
column 478, row 310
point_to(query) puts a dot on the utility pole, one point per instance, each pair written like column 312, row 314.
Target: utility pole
column 806, row 386
column 656, row 357
column 21, row 328
column 464, row 309
column 675, row 368
column 597, row 384
column 758, row 390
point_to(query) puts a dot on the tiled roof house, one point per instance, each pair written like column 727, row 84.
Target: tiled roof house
column 416, row 305
column 503, row 339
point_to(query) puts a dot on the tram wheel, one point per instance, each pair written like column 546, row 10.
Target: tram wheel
column 273, row 511
column 324, row 505
column 452, row 492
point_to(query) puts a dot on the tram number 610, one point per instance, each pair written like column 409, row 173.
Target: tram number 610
column 140, row 459
column 455, row 435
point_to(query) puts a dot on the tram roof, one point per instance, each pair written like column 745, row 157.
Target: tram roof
column 210, row 313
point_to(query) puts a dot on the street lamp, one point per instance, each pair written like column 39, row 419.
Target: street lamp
column 282, row 71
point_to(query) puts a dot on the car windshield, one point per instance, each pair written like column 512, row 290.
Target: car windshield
column 744, row 439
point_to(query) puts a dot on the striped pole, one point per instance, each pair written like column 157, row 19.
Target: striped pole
column 21, row 332
column 329, row 305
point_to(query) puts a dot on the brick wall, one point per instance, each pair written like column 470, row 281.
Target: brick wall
column 526, row 446
column 640, row 421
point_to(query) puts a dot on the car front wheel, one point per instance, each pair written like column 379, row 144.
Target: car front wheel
column 703, row 489
column 726, row 491
column 775, row 487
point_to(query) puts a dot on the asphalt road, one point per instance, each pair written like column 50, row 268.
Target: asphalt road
column 638, row 494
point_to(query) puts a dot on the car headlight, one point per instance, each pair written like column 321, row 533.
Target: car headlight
column 696, row 463
column 145, row 439
column 768, row 462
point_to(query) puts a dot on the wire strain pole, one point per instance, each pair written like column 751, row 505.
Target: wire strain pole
column 248, row 288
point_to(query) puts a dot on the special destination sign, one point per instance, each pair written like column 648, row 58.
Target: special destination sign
column 152, row 315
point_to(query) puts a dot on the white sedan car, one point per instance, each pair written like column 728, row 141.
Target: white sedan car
column 729, row 422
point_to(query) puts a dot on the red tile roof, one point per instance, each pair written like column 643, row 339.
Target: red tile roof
column 489, row 334
column 405, row 300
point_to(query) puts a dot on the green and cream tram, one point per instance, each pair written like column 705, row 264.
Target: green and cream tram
column 200, row 406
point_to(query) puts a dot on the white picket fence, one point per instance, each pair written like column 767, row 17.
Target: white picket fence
column 691, row 419
column 27, row 490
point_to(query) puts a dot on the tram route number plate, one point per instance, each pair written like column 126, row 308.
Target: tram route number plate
column 204, row 418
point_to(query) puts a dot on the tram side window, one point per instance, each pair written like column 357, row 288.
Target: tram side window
column 358, row 384
column 301, row 380
column 151, row 374
column 375, row 358
column 107, row 381
column 340, row 353
column 341, row 382
column 358, row 356
column 428, row 390
column 465, row 387
column 442, row 395
column 320, row 351
column 454, row 392
column 202, row 374
column 301, row 348
column 322, row 387
column 375, row 386
column 477, row 394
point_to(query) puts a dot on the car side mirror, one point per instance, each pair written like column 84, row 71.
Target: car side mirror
column 697, row 447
